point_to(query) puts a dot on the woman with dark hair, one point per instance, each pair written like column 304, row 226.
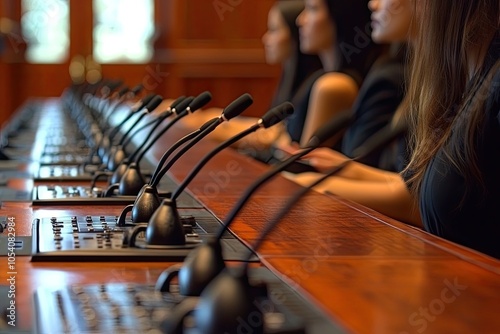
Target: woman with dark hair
column 282, row 47
column 281, row 44
column 382, row 90
column 451, row 186
column 338, row 31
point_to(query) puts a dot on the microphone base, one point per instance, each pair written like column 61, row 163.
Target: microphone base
column 190, row 244
column 61, row 239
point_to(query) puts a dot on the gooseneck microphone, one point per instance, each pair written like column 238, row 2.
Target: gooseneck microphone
column 187, row 106
column 233, row 110
column 229, row 297
column 148, row 201
column 328, row 130
column 140, row 105
column 132, row 181
column 123, row 95
column 272, row 117
column 180, row 103
column 111, row 141
column 205, row 262
column 116, row 154
column 156, row 233
column 104, row 142
column 200, row 101
column 121, row 169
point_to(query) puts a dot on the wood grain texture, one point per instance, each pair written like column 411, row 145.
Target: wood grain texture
column 370, row 273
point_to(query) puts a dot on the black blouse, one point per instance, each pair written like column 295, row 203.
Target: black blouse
column 469, row 216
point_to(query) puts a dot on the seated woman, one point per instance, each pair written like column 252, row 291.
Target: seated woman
column 331, row 31
column 451, row 186
column 281, row 45
column 383, row 89
column 335, row 30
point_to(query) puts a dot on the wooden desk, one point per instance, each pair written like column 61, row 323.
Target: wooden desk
column 370, row 273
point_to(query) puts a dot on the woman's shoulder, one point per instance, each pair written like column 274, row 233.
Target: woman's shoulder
column 335, row 83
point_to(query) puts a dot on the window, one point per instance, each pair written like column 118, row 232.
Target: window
column 123, row 31
column 45, row 27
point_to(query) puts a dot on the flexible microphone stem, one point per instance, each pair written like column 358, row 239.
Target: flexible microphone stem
column 109, row 135
column 209, row 156
column 127, row 133
column 156, row 125
column 375, row 143
column 263, row 179
column 152, row 105
column 155, row 122
column 139, row 154
column 133, row 112
column 213, row 124
column 174, row 147
column 286, row 209
column 232, row 110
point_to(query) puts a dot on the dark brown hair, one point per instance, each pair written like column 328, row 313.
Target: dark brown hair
column 445, row 102
column 301, row 65
column 355, row 49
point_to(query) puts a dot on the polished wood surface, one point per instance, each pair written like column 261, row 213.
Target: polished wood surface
column 369, row 273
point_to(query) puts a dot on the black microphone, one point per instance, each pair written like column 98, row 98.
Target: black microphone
column 234, row 109
column 131, row 181
column 116, row 154
column 148, row 200
column 104, row 142
column 229, row 297
column 181, row 111
column 155, row 231
column 272, row 117
column 124, row 164
column 120, row 170
column 205, row 262
column 137, row 107
column 180, row 103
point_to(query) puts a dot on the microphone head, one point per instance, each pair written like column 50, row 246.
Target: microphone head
column 154, row 103
column 277, row 114
column 137, row 89
column 144, row 101
column 237, row 106
column 176, row 102
column 182, row 105
column 331, row 128
column 200, row 101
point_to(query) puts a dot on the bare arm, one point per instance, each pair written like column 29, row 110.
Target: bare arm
column 331, row 94
column 388, row 195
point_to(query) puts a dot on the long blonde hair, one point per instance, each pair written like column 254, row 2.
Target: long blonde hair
column 442, row 95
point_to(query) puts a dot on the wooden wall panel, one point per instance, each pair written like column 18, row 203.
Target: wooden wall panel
column 217, row 45
column 200, row 45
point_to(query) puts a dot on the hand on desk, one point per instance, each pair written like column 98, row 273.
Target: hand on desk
column 324, row 159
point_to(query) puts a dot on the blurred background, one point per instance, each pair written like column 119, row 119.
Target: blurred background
column 172, row 47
